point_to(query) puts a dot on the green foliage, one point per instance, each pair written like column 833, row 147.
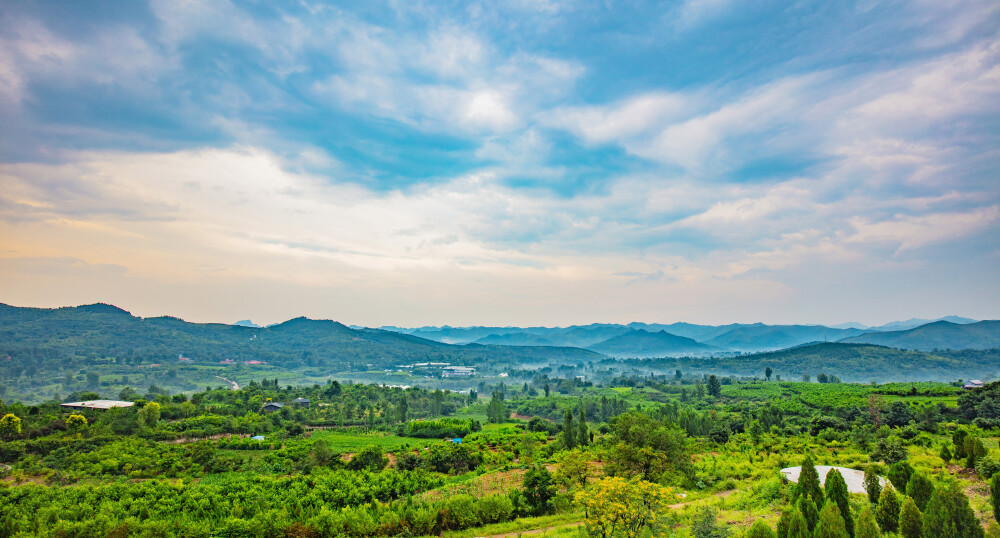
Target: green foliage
column 911, row 523
column 807, row 508
column 899, row 475
column 949, row 514
column 995, row 496
column 889, row 450
column 809, row 485
column 369, row 459
column 496, row 411
column 10, row 426
column 704, row 524
column 798, row 527
column 887, row 512
column 867, row 526
column 149, row 415
column 873, row 486
column 539, row 490
column 836, row 493
column 831, row 524
column 784, row 521
column 646, row 447
column 920, row 488
column 759, row 529
column 436, row 429
column 76, row 422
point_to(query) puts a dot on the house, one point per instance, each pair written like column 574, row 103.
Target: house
column 97, row 404
column 303, row 402
column 272, row 406
column 457, row 371
column 974, row 384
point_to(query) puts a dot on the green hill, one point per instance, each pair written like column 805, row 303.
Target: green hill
column 640, row 343
column 938, row 335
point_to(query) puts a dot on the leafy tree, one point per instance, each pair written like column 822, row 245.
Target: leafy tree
column 618, row 507
column 945, row 453
column 889, row 450
column 321, row 454
column 836, row 492
column 887, row 512
column 10, row 426
column 714, row 386
column 899, row 474
column 768, row 372
column 831, row 524
column 867, row 527
column 974, row 449
column 76, row 422
column 539, row 490
column 149, row 415
column 949, row 514
column 911, row 524
column 583, row 439
column 920, row 488
column 496, row 411
column 798, row 527
column 646, row 447
column 809, row 485
column 755, row 430
column 368, row 459
column 807, row 508
column 704, row 524
column 759, row 529
column 873, row 486
column 958, row 439
column 573, row 470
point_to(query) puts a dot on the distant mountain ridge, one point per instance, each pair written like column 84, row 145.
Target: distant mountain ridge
column 937, row 335
column 639, row 343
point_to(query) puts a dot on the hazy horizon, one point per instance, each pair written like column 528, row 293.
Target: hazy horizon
column 520, row 163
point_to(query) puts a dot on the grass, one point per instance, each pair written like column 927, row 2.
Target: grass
column 353, row 442
column 524, row 525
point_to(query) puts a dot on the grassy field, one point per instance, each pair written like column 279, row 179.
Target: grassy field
column 345, row 442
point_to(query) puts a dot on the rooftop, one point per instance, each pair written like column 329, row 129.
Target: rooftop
column 98, row 404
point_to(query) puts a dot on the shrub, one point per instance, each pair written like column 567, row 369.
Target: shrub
column 831, row 524
column 873, row 486
column 867, row 527
column 887, row 512
column 949, row 514
column 899, row 474
column 369, row 458
column 761, row 530
column 494, row 508
column 911, row 524
column 920, row 488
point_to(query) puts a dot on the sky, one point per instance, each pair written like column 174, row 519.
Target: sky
column 515, row 162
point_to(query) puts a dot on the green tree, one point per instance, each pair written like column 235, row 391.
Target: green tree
column 539, row 490
column 583, row 439
column 768, row 372
column 149, row 415
column 920, row 488
column 911, row 524
column 873, row 486
column 974, row 449
column 945, row 454
column 10, row 426
column 831, row 524
column 321, row 454
column 616, row 507
column 368, row 459
column 759, row 529
column 437, row 400
column 995, row 495
column 949, row 514
column 705, row 525
column 807, row 508
column 784, row 521
column 798, row 527
column 569, row 431
column 548, row 389
column 809, row 485
column 899, row 474
column 714, row 386
column 867, row 527
column 887, row 512
column 404, row 409
column 958, row 439
column 836, row 492
column 496, row 410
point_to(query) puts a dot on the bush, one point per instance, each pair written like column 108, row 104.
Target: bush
column 949, row 514
column 369, row 459
column 887, row 512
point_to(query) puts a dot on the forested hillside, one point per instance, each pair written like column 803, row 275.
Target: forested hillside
column 938, row 335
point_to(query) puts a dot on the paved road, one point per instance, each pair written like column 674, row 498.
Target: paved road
column 855, row 479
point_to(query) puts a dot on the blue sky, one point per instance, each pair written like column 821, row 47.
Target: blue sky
column 511, row 162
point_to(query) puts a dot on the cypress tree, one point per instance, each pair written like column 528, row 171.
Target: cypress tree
column 583, row 439
column 995, row 495
column 836, row 492
column 873, row 486
column 798, row 527
column 958, row 439
column 949, row 514
column 809, row 484
column 569, row 432
column 867, row 528
column 911, row 524
column 887, row 512
column 760, row 530
column 808, row 510
column 899, row 474
column 783, row 522
column 831, row 524
column 920, row 488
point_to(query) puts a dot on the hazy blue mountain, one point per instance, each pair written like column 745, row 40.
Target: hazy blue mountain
column 850, row 325
column 937, row 335
column 913, row 323
column 639, row 343
column 581, row 336
column 701, row 333
column 760, row 337
column 246, row 323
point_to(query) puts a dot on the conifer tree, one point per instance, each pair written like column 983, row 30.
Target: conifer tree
column 760, row 530
column 995, row 496
column 831, row 524
column 582, row 438
column 873, row 486
column 899, row 474
column 911, row 524
column 798, row 527
column 569, row 432
column 783, row 522
column 887, row 512
column 836, row 492
column 920, row 488
column 809, row 512
column 949, row 514
column 867, row 527
column 809, row 485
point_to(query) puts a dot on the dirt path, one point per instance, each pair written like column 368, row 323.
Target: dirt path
column 232, row 384
column 534, row 531
column 719, row 495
